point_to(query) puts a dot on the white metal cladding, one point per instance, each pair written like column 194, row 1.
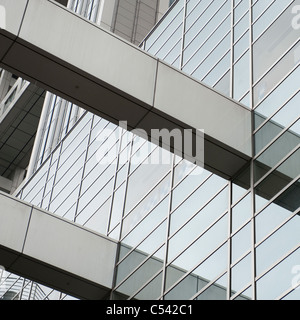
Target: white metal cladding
column 58, row 253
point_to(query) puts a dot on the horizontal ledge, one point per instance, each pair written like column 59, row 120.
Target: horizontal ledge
column 46, row 248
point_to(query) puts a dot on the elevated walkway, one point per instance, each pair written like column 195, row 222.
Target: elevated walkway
column 48, row 45
column 43, row 247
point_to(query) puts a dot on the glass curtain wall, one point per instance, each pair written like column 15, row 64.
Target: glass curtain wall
column 248, row 50
column 186, row 233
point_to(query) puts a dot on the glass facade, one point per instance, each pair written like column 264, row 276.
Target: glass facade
column 184, row 232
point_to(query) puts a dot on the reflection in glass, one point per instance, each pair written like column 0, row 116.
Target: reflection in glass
column 282, row 119
column 187, row 288
column 216, row 291
column 144, row 273
column 277, row 180
column 207, row 271
column 278, row 150
column 152, row 290
column 241, row 184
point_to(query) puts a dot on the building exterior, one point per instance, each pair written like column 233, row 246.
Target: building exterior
column 184, row 232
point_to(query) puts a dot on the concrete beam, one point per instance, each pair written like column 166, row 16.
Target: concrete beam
column 63, row 53
column 45, row 248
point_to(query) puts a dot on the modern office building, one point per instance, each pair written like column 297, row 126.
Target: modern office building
column 224, row 228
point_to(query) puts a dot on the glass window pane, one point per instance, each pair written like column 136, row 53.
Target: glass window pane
column 146, row 205
column 277, row 180
column 277, row 73
column 279, row 96
column 152, row 290
column 241, row 76
column 188, row 185
column 97, row 221
column 269, row 219
column 145, row 177
column 117, row 206
column 198, row 224
column 277, row 123
column 279, row 279
column 242, row 212
column 212, row 267
column 147, row 225
column 206, row 243
column 143, row 274
column 273, row 43
column 278, row 245
column 241, row 275
column 216, row 291
column 268, row 17
column 198, row 199
column 241, row 242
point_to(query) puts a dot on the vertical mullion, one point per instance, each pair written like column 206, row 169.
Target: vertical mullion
column 252, row 145
column 117, row 159
column 55, row 175
column 183, row 33
column 135, row 20
column 229, row 280
column 83, row 169
column 168, row 226
column 47, row 177
column 127, row 177
column 232, row 50
column 123, row 209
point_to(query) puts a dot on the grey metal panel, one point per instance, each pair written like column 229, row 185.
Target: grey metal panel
column 46, row 248
column 86, row 254
column 115, row 80
column 13, row 14
column 14, row 219
column 186, row 99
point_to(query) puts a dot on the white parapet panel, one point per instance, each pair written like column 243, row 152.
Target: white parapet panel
column 53, row 251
